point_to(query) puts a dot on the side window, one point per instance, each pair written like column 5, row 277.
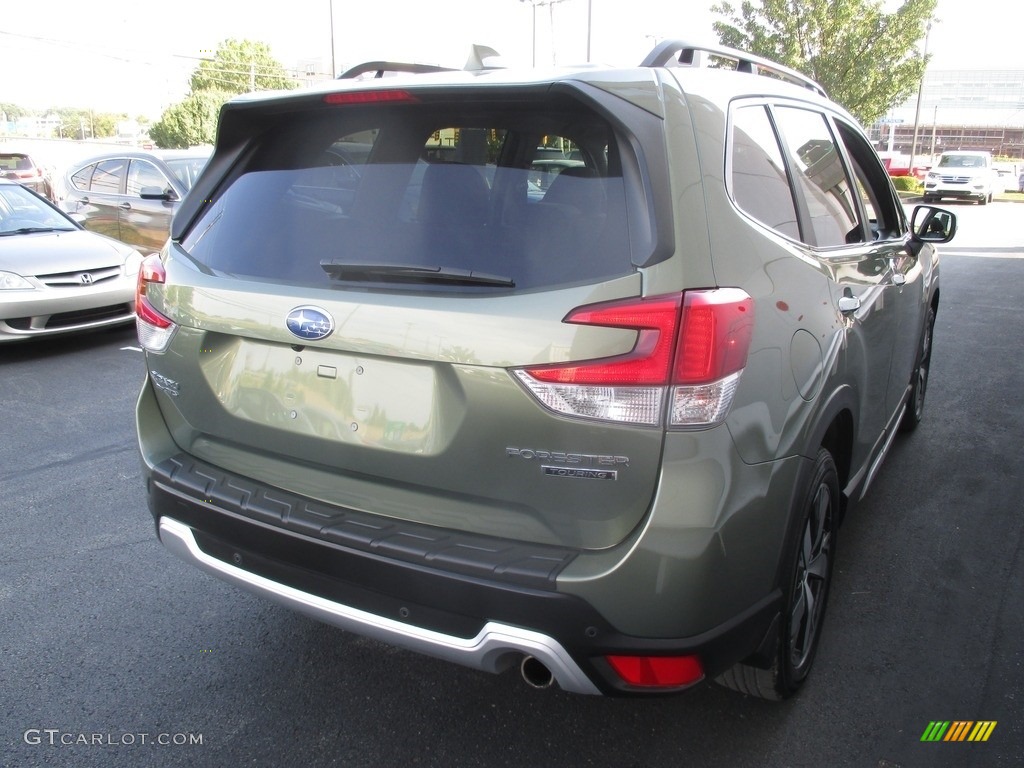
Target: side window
column 879, row 199
column 107, row 177
column 142, row 173
column 818, row 164
column 760, row 184
column 82, row 177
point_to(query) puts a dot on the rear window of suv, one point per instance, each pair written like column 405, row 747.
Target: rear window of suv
column 452, row 195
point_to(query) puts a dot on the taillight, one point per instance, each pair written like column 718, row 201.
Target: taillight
column 691, row 345
column 657, row 671
column 154, row 329
column 710, row 356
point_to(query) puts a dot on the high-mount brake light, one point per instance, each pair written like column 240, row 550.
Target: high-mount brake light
column 154, row 328
column 692, row 346
column 389, row 96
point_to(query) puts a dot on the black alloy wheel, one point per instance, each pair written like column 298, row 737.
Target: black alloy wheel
column 809, row 574
column 919, row 379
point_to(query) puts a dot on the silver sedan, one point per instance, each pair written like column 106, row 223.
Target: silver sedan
column 55, row 277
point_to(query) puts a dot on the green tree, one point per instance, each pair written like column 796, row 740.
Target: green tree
column 238, row 66
column 190, row 122
column 866, row 59
column 241, row 66
column 13, row 111
column 78, row 123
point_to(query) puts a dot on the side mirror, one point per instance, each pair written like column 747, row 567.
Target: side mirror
column 932, row 225
column 158, row 193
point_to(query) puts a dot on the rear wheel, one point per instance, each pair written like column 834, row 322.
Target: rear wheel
column 919, row 381
column 808, row 576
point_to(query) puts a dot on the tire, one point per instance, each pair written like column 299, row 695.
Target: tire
column 919, row 378
column 808, row 575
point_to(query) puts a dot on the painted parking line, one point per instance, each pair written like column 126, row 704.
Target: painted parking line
column 985, row 253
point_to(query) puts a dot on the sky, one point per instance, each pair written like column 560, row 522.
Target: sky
column 137, row 57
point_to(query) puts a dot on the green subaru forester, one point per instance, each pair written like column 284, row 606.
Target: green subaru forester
column 599, row 417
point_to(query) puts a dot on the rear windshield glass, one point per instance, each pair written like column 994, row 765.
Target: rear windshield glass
column 450, row 196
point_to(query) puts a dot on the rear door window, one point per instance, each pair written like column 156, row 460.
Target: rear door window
column 108, row 177
column 760, row 182
column 821, row 174
column 142, row 174
column 451, row 196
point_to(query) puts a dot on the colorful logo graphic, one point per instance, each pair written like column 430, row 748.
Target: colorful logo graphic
column 958, row 730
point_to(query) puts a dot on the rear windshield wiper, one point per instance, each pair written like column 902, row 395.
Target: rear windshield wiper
column 396, row 273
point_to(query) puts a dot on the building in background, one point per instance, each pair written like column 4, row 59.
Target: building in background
column 960, row 109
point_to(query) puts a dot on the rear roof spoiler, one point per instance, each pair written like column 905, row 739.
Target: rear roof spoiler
column 478, row 54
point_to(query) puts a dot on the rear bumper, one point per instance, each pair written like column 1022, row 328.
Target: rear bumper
column 469, row 613
column 492, row 649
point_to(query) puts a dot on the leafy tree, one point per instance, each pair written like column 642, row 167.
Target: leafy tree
column 190, row 122
column 79, row 123
column 238, row 66
column 13, row 111
column 865, row 59
column 241, row 66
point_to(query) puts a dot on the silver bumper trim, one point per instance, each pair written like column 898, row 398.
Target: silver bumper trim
column 494, row 648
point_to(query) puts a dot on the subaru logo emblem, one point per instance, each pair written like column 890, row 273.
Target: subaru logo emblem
column 310, row 323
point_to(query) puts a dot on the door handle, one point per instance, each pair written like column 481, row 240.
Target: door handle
column 125, row 206
column 899, row 279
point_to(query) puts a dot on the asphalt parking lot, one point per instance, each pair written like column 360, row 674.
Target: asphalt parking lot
column 113, row 653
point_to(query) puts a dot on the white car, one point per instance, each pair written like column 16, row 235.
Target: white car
column 963, row 174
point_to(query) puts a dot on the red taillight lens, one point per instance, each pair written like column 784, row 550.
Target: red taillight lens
column 693, row 345
column 657, row 671
column 151, row 271
column 155, row 329
column 651, row 358
column 715, row 337
column 390, row 96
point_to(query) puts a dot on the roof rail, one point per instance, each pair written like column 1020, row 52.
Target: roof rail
column 688, row 54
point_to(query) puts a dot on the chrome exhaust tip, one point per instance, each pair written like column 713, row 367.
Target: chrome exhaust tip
column 535, row 673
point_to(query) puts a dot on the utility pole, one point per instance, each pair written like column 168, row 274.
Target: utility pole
column 551, row 21
column 334, row 70
column 920, row 88
column 590, row 9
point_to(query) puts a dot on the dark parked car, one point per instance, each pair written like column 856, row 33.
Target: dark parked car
column 132, row 195
column 22, row 168
column 605, row 430
column 54, row 276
